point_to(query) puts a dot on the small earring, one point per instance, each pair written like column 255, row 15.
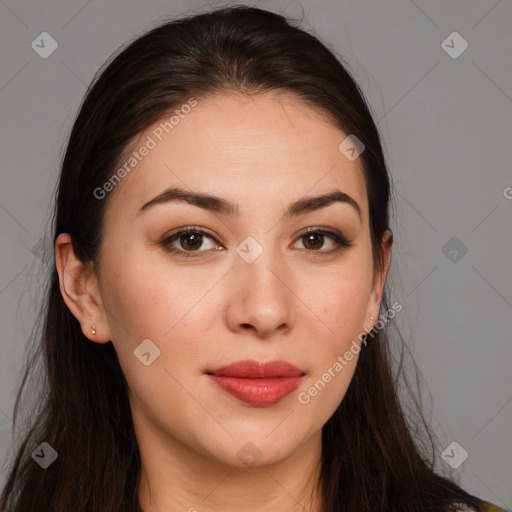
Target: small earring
column 93, row 330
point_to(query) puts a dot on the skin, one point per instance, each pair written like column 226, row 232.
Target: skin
column 296, row 302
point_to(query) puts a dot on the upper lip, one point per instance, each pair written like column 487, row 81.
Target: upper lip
column 251, row 369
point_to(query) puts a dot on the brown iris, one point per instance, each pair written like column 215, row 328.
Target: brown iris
column 314, row 240
column 191, row 241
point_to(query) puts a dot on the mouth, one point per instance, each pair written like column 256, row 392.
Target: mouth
column 257, row 383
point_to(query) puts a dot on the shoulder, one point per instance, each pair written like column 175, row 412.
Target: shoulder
column 486, row 506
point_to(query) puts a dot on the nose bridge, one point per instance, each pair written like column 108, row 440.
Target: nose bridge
column 261, row 295
column 266, row 275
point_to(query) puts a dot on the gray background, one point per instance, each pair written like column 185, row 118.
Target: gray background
column 446, row 125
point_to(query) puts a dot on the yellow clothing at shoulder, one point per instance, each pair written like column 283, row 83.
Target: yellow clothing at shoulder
column 490, row 507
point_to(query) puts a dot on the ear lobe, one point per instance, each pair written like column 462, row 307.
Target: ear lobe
column 79, row 290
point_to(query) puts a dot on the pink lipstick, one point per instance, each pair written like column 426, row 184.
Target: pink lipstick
column 258, row 383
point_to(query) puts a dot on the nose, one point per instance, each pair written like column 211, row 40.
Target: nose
column 261, row 297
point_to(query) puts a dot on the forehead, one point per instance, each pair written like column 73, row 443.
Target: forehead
column 245, row 148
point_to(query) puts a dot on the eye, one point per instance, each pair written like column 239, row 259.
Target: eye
column 195, row 242
column 314, row 240
column 188, row 241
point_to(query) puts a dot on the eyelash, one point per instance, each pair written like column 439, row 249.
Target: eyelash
column 340, row 239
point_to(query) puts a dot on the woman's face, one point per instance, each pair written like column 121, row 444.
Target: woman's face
column 247, row 283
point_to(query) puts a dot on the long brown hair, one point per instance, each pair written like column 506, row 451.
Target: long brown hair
column 370, row 459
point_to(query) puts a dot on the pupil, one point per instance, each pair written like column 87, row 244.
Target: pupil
column 315, row 239
column 191, row 240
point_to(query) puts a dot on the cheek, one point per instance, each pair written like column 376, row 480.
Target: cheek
column 327, row 384
column 338, row 299
column 144, row 305
column 345, row 309
column 148, row 300
column 340, row 302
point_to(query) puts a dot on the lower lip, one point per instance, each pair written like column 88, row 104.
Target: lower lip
column 258, row 391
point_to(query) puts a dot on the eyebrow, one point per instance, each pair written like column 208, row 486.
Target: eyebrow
column 222, row 206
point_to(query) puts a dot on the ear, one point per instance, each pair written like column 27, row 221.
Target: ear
column 379, row 279
column 80, row 291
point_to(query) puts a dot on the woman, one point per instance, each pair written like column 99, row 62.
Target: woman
column 215, row 329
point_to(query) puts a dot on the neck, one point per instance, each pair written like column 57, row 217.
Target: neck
column 174, row 478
